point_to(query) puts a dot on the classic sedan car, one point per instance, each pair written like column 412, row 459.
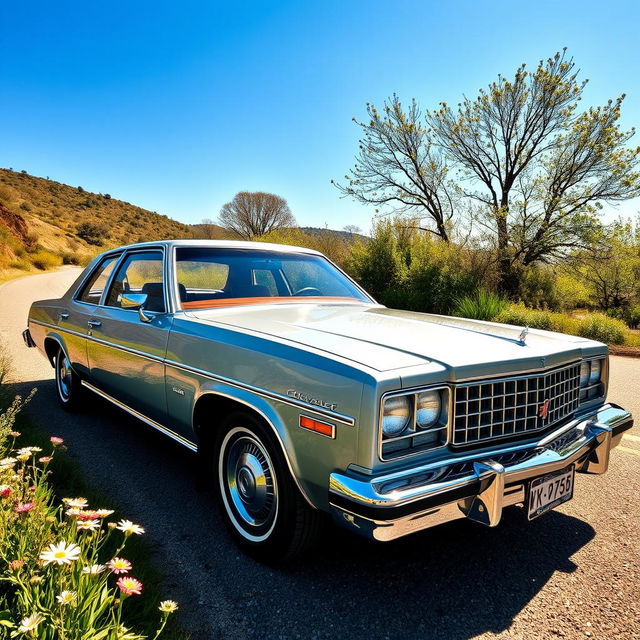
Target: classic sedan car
column 303, row 396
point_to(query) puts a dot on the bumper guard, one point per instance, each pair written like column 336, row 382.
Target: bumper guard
column 477, row 486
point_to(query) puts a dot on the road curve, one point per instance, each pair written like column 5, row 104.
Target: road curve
column 573, row 573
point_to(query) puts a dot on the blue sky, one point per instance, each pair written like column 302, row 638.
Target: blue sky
column 176, row 106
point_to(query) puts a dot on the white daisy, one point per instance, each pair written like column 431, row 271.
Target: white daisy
column 30, row 623
column 127, row 527
column 67, row 597
column 88, row 525
column 94, row 569
column 61, row 553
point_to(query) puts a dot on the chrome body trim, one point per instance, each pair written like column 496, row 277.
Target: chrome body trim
column 272, row 395
column 148, row 421
column 28, row 340
column 490, row 479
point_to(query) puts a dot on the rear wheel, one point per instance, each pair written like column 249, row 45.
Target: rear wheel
column 259, row 501
column 68, row 387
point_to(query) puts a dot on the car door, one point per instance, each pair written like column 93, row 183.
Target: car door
column 126, row 351
column 73, row 317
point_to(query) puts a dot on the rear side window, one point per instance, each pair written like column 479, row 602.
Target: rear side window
column 92, row 290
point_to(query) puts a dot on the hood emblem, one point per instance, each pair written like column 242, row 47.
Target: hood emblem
column 523, row 335
column 543, row 409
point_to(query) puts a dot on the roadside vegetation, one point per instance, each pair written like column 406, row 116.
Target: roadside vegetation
column 70, row 567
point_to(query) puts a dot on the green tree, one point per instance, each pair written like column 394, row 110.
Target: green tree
column 538, row 169
column 610, row 265
column 398, row 169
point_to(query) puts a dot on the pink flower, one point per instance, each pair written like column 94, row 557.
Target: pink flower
column 87, row 515
column 5, row 490
column 56, row 441
column 45, row 459
column 15, row 434
column 23, row 507
column 119, row 565
column 129, row 586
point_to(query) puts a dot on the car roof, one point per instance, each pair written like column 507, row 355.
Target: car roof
column 220, row 244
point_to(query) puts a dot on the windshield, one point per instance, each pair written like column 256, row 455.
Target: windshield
column 210, row 277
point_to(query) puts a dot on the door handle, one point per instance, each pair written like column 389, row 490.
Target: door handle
column 63, row 315
column 94, row 323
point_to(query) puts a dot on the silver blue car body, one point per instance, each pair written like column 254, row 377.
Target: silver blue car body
column 336, row 363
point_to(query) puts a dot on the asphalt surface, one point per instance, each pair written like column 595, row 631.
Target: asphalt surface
column 573, row 573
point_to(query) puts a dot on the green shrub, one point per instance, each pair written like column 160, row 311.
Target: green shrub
column 43, row 259
column 519, row 315
column 538, row 289
column 482, row 305
column 633, row 316
column 92, row 232
column 598, row 326
column 71, row 257
column 20, row 264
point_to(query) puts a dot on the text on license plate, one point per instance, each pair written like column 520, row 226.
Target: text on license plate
column 547, row 492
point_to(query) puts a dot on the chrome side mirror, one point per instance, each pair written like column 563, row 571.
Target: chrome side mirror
column 135, row 301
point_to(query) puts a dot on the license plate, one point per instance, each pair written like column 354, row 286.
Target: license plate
column 547, row 492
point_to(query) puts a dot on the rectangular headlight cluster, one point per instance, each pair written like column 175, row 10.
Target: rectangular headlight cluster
column 593, row 378
column 413, row 422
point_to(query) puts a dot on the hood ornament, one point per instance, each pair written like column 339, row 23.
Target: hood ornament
column 523, row 335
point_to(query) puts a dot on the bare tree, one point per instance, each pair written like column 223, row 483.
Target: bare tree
column 538, row 170
column 399, row 169
column 251, row 215
column 352, row 229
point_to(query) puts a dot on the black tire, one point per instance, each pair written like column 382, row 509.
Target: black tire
column 269, row 519
column 68, row 388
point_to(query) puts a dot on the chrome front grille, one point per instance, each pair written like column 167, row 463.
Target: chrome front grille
column 508, row 407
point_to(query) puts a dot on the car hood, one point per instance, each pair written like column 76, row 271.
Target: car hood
column 386, row 339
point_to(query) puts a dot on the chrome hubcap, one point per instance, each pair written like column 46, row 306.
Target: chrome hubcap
column 64, row 376
column 250, row 483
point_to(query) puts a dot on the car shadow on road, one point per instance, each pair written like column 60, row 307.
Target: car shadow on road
column 455, row 581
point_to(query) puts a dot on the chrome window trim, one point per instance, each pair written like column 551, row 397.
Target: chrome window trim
column 265, row 393
column 174, row 275
column 415, row 391
column 125, row 254
column 75, row 297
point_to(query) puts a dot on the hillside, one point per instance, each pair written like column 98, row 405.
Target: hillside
column 44, row 223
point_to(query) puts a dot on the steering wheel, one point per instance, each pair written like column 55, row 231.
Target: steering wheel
column 308, row 291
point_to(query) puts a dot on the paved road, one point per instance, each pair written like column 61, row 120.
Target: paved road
column 573, row 573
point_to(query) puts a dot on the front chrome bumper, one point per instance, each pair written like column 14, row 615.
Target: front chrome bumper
column 477, row 486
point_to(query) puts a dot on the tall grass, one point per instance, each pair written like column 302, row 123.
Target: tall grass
column 482, row 305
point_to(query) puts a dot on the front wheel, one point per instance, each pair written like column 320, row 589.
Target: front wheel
column 68, row 387
column 259, row 501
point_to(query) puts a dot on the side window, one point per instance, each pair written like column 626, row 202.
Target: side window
column 139, row 273
column 265, row 278
column 92, row 290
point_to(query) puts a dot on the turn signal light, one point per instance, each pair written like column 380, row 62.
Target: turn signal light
column 324, row 428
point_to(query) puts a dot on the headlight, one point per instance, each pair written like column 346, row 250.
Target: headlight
column 585, row 372
column 396, row 415
column 428, row 409
column 592, row 379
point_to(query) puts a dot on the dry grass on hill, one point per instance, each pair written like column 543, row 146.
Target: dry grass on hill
column 44, row 223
